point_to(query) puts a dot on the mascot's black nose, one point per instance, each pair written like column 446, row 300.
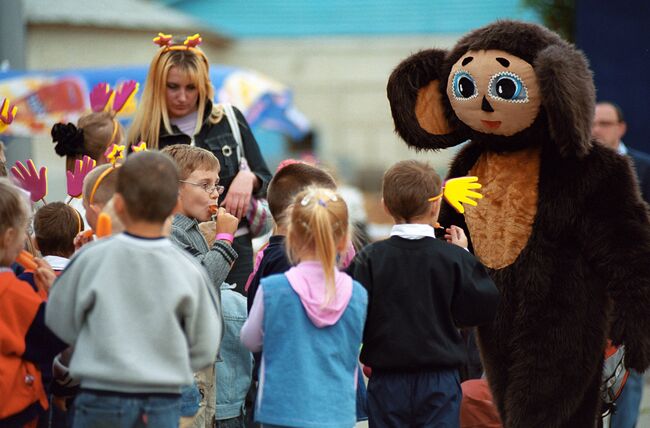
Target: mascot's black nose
column 485, row 105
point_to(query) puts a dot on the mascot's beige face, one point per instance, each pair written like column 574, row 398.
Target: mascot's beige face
column 494, row 92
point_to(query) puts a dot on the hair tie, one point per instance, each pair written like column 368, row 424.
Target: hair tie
column 68, row 138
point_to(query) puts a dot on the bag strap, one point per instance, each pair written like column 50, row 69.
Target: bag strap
column 234, row 127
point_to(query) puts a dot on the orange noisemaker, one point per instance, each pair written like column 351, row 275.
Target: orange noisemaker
column 26, row 260
column 104, row 226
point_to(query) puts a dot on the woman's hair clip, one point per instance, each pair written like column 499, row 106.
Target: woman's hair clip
column 322, row 202
column 103, row 98
column 163, row 40
column 141, row 147
column 166, row 41
column 193, row 41
column 114, row 153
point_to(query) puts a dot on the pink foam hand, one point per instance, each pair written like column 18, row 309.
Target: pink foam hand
column 125, row 92
column 75, row 180
column 29, row 179
column 100, row 97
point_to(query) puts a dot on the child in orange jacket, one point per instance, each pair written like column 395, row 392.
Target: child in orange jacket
column 26, row 341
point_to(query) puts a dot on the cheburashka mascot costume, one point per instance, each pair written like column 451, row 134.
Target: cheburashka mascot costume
column 562, row 227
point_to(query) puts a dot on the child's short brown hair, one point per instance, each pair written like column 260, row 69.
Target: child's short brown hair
column 106, row 188
column 190, row 158
column 406, row 188
column 291, row 180
column 148, row 183
column 55, row 226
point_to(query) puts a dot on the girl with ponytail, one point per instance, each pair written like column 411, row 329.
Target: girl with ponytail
column 308, row 322
column 94, row 133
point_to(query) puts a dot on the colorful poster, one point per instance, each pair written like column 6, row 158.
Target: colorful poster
column 45, row 98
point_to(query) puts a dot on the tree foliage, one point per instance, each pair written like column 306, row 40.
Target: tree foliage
column 558, row 15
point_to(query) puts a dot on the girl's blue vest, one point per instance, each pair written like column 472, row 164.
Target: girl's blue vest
column 308, row 373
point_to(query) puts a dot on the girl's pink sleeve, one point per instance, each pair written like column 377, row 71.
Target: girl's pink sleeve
column 348, row 256
column 256, row 266
column 252, row 334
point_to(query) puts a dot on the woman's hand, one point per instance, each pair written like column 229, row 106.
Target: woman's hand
column 239, row 193
column 43, row 275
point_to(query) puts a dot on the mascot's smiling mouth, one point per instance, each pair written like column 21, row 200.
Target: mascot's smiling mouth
column 492, row 124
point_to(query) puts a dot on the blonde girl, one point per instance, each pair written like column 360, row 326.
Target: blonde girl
column 26, row 341
column 309, row 322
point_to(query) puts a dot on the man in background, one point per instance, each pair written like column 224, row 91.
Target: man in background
column 608, row 129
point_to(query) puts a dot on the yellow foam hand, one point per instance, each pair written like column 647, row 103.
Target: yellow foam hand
column 142, row 147
column 461, row 190
column 7, row 114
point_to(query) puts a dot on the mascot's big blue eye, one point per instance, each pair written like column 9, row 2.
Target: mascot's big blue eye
column 508, row 86
column 463, row 86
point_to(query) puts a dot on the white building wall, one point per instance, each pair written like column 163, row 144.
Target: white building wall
column 340, row 85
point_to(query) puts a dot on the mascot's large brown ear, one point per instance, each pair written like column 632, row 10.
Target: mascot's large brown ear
column 568, row 96
column 417, row 103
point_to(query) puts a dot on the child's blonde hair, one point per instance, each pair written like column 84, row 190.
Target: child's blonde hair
column 319, row 221
column 14, row 211
column 93, row 134
column 106, row 187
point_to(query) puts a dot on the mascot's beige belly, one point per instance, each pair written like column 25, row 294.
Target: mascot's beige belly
column 501, row 223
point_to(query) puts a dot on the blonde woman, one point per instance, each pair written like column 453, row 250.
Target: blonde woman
column 177, row 108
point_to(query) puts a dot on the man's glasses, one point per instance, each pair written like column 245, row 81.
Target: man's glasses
column 206, row 187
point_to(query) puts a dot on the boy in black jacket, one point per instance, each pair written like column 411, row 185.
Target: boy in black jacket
column 420, row 291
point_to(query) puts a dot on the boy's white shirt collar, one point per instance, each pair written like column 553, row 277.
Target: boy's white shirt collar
column 57, row 263
column 413, row 231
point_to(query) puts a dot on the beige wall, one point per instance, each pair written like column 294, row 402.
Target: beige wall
column 56, row 47
column 340, row 85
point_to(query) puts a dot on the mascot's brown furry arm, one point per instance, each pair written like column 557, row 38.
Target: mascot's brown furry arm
column 562, row 226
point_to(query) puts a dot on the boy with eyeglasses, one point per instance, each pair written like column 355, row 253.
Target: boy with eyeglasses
column 199, row 190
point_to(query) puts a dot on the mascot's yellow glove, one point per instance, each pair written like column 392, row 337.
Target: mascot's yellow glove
column 457, row 190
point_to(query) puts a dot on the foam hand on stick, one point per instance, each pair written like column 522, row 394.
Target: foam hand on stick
column 31, row 180
column 75, row 180
column 124, row 94
column 7, row 114
column 100, row 97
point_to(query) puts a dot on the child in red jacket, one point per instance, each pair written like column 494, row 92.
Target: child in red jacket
column 25, row 339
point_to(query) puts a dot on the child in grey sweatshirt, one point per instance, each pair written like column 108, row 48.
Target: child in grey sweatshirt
column 140, row 312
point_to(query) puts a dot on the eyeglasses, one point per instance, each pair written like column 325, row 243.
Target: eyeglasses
column 206, row 187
